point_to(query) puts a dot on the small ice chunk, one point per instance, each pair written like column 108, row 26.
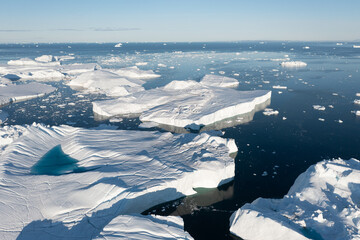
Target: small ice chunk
column 339, row 121
column 319, row 107
column 306, row 47
column 356, row 46
column 162, row 65
column 357, row 113
column 118, row 45
column 293, row 64
column 357, row 94
column 141, row 63
column 270, row 111
column 321, row 119
column 284, row 118
column 279, row 87
column 264, row 174
column 357, row 101
column 331, row 106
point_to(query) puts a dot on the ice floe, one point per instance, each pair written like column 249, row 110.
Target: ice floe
column 103, row 174
column 183, row 104
column 319, row 107
column 323, row 203
column 219, row 81
column 270, row 111
column 151, row 227
column 13, row 93
column 294, row 64
column 103, row 81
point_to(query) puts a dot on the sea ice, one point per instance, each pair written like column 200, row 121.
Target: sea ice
column 152, row 227
column 183, row 104
column 219, row 81
column 103, row 81
column 111, row 173
column 319, row 107
column 13, row 93
column 323, row 203
column 293, row 64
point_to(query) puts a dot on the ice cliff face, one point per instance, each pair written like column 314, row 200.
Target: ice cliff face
column 111, row 173
column 323, row 203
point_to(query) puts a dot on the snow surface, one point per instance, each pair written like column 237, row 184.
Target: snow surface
column 13, row 93
column 291, row 64
column 323, row 203
column 152, row 227
column 219, row 81
column 183, row 104
column 102, row 81
column 122, row 172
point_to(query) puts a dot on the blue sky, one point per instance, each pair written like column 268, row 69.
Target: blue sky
column 178, row 20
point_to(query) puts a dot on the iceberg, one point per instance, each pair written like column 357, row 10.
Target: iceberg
column 356, row 46
column 102, row 81
column 184, row 104
column 152, row 227
column 293, row 64
column 118, row 45
column 323, row 203
column 319, row 107
column 122, row 173
column 219, row 81
column 14, row 93
column 46, row 58
column 135, row 73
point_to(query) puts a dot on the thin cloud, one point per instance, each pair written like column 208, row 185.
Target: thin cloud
column 109, row 29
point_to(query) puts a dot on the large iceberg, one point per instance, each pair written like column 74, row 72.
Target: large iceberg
column 182, row 104
column 14, row 93
column 99, row 175
column 323, row 203
column 102, row 81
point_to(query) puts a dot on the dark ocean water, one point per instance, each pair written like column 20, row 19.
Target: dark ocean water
column 273, row 150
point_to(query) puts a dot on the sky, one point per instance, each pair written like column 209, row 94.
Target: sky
column 178, row 20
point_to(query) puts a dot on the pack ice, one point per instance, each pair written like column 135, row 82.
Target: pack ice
column 13, row 93
column 100, row 179
column 182, row 104
column 323, row 203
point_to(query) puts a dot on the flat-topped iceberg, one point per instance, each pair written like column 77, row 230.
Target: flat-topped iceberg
column 102, row 174
column 183, row 104
column 102, row 81
column 219, row 81
column 293, row 64
column 323, row 203
column 13, row 93
column 152, row 227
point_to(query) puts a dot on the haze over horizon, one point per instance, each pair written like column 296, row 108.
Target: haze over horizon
column 178, row 21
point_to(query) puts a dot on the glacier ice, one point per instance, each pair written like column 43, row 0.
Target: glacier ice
column 183, row 104
column 127, row 173
column 13, row 93
column 323, row 203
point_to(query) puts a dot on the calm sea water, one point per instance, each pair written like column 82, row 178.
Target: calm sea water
column 273, row 150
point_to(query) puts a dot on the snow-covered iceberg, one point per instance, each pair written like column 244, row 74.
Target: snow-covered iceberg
column 103, row 174
column 293, row 64
column 219, row 81
column 323, row 203
column 152, row 227
column 102, row 81
column 183, row 104
column 14, row 93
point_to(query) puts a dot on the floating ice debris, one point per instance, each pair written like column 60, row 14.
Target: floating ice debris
column 270, row 111
column 279, row 87
column 293, row 64
column 135, row 73
column 264, row 174
column 30, row 62
column 319, row 107
column 306, row 47
column 221, row 72
column 357, row 113
column 141, row 63
column 322, row 204
column 357, row 101
column 21, row 92
column 284, row 118
column 339, row 44
column 162, row 65
column 118, row 45
column 197, row 104
column 102, row 81
column 321, row 119
column 339, row 121
column 331, row 106
column 126, row 174
column 219, row 81
column 356, row 46
column 149, row 227
column 335, row 94
column 357, row 94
